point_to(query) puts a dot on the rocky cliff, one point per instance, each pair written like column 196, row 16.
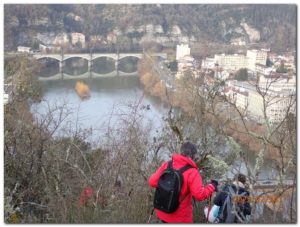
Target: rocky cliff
column 162, row 23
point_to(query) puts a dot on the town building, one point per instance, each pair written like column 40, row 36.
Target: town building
column 111, row 37
column 175, row 31
column 239, row 96
column 256, row 57
column 186, row 65
column 278, row 97
column 149, row 28
column 182, row 50
column 97, row 39
column 238, row 61
column 231, row 62
column 208, row 63
column 61, row 39
column 23, row 49
column 238, row 42
column 221, row 74
column 263, row 69
column 78, row 38
column 49, row 48
column 158, row 29
column 278, row 82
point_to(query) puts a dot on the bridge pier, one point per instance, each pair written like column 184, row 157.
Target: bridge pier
column 117, row 66
column 61, row 66
column 90, row 64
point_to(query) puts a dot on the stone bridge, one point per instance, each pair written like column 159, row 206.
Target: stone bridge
column 93, row 56
column 90, row 58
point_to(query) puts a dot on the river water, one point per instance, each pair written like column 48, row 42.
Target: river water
column 110, row 98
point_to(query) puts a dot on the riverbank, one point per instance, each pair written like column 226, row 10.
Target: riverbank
column 249, row 134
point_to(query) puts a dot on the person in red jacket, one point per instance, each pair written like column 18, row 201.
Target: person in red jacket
column 191, row 187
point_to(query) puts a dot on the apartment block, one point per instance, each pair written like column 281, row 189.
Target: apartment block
column 256, row 57
column 231, row 62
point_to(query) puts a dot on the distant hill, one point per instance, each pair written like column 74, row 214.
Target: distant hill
column 274, row 25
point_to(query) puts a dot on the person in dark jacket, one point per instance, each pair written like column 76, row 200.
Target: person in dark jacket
column 242, row 202
column 192, row 186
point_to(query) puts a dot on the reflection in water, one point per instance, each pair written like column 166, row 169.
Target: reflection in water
column 48, row 67
column 128, row 64
column 109, row 100
column 75, row 66
column 82, row 90
column 103, row 65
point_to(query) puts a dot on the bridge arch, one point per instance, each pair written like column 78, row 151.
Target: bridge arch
column 58, row 58
column 133, row 55
column 98, row 57
column 129, row 56
column 108, row 55
column 76, row 56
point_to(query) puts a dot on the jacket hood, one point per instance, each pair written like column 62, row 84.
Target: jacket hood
column 183, row 160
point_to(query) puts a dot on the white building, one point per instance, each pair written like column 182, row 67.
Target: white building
column 256, row 57
column 23, row 49
column 208, row 63
column 238, row 61
column 61, row 39
column 221, row 74
column 263, row 69
column 231, row 62
column 78, row 38
column 279, row 97
column 158, row 29
column 49, row 48
column 278, row 82
column 149, row 28
column 239, row 96
column 96, row 38
column 182, row 50
column 176, row 31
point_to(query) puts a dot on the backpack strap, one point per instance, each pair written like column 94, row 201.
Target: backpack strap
column 232, row 192
column 170, row 166
column 181, row 170
column 186, row 167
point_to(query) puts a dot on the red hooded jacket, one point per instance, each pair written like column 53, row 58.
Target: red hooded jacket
column 191, row 187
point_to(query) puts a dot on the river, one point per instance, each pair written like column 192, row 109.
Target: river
column 109, row 100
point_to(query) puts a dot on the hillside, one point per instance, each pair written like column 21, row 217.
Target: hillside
column 272, row 25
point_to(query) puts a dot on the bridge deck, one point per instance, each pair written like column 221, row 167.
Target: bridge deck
column 93, row 56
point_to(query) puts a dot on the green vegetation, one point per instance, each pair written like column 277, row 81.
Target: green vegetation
column 21, row 72
column 281, row 68
column 242, row 74
column 172, row 66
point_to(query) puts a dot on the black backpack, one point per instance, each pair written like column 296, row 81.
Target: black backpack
column 168, row 189
column 233, row 211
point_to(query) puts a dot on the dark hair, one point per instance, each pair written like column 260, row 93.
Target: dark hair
column 188, row 149
column 241, row 178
